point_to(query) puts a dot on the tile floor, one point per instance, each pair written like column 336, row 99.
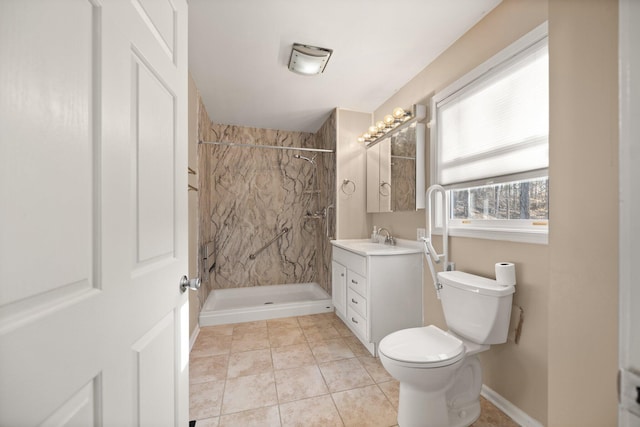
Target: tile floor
column 298, row 371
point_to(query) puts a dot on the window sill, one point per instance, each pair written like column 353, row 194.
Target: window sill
column 538, row 237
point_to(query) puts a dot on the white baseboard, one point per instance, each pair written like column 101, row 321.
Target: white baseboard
column 194, row 335
column 515, row 413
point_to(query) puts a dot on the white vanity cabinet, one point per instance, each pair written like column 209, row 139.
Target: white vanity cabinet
column 377, row 289
column 339, row 287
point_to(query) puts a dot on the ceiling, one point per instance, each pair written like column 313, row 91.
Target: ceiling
column 239, row 52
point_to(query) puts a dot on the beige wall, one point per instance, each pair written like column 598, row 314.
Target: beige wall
column 194, row 304
column 583, row 242
column 351, row 210
column 516, row 372
column 563, row 371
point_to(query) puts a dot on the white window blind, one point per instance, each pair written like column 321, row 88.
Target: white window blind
column 497, row 124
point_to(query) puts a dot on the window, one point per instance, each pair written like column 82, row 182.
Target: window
column 490, row 144
column 513, row 200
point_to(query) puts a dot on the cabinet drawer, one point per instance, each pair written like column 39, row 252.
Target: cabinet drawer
column 357, row 322
column 350, row 260
column 357, row 302
column 357, row 282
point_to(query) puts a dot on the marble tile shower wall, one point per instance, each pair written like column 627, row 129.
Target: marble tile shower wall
column 249, row 195
column 326, row 138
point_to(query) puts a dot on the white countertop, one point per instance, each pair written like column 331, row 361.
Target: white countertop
column 367, row 247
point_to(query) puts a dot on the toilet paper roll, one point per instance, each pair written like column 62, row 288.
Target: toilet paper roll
column 506, row 274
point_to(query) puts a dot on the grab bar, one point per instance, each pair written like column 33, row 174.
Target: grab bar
column 284, row 231
column 445, row 229
column 430, row 252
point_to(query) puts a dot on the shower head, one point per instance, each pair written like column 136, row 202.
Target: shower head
column 310, row 160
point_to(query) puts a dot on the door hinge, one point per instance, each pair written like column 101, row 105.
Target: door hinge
column 629, row 390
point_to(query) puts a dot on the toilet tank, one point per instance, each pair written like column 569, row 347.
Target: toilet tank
column 476, row 308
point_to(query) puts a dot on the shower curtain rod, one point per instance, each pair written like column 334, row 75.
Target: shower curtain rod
column 277, row 147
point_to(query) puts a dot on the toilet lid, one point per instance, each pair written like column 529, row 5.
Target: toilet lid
column 427, row 345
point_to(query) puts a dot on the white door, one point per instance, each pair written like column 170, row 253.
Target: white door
column 93, row 227
column 629, row 414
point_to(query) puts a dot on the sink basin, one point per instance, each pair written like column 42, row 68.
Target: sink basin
column 367, row 247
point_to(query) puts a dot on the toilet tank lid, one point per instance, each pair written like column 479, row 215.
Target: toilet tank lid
column 473, row 283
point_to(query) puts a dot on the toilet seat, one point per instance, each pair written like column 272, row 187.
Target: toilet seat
column 425, row 347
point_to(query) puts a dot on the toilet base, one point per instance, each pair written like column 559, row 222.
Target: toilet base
column 420, row 409
column 465, row 415
column 455, row 405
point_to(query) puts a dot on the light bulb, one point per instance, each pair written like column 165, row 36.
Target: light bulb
column 388, row 120
column 366, row 135
column 398, row 112
column 373, row 130
column 380, row 125
column 360, row 139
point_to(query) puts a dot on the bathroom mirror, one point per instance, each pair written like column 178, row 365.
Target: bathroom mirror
column 396, row 171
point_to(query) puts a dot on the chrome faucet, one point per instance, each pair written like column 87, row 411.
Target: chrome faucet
column 389, row 240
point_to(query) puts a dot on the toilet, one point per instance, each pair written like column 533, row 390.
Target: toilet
column 439, row 371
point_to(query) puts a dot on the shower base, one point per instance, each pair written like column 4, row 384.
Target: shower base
column 224, row 306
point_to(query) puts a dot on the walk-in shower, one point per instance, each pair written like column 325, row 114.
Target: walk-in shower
column 235, row 305
column 265, row 221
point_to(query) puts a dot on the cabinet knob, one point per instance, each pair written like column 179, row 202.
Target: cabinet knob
column 354, row 320
column 354, row 301
column 341, row 274
column 354, row 282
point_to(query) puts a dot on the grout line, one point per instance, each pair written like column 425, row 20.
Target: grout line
column 335, row 405
column 275, row 381
column 279, row 411
column 224, row 390
column 388, row 400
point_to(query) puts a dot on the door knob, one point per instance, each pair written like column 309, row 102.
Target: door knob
column 186, row 283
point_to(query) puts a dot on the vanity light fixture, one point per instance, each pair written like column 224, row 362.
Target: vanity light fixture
column 391, row 122
column 308, row 60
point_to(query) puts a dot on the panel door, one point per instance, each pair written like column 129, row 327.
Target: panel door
column 93, row 325
column 629, row 359
column 384, row 185
column 373, row 179
column 339, row 288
